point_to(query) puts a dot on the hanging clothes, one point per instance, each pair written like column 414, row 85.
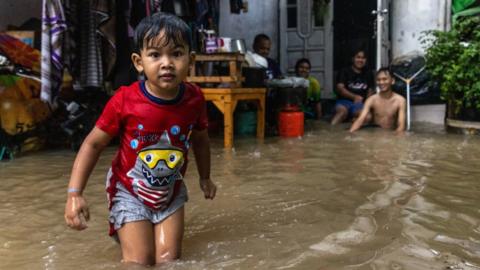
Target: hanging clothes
column 91, row 70
column 124, row 73
column 53, row 30
column 97, row 42
column 71, row 36
column 106, row 12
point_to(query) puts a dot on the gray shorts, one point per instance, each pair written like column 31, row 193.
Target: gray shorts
column 127, row 208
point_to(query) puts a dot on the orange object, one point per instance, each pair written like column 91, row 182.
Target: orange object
column 290, row 123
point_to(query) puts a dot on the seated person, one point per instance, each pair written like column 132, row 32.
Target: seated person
column 354, row 85
column 386, row 107
column 261, row 46
column 313, row 107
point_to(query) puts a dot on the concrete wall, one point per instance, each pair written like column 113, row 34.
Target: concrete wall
column 16, row 12
column 262, row 17
column 411, row 17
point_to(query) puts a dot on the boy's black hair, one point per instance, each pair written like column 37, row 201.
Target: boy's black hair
column 258, row 38
column 384, row 70
column 357, row 50
column 176, row 31
column 301, row 61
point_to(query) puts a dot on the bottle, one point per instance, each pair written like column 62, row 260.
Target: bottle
column 210, row 42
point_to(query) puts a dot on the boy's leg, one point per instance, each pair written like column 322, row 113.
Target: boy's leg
column 357, row 109
column 136, row 240
column 341, row 113
column 318, row 110
column 169, row 236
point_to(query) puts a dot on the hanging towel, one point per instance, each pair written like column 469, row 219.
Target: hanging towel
column 53, row 30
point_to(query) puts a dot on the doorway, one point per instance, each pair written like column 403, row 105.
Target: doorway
column 304, row 33
column 354, row 27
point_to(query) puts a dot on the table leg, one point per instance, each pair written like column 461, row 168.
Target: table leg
column 261, row 117
column 228, row 122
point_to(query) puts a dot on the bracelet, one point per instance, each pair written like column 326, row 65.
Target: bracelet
column 73, row 190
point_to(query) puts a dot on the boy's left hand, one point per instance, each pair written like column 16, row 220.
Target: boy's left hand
column 209, row 188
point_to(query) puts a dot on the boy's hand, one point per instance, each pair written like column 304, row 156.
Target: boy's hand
column 76, row 212
column 357, row 99
column 209, row 188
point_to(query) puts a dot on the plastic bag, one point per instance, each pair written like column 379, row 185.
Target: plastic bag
column 288, row 82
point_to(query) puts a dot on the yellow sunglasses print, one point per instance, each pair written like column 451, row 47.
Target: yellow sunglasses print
column 151, row 157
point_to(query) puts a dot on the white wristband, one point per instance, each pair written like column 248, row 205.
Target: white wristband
column 73, row 190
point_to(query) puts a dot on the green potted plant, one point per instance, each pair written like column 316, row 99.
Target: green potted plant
column 453, row 60
column 320, row 9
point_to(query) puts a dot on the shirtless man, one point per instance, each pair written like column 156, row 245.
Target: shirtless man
column 386, row 107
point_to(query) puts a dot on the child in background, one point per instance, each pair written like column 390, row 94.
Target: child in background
column 313, row 108
column 157, row 121
column 262, row 45
column 354, row 85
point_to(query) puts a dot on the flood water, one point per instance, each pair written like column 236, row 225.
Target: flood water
column 329, row 200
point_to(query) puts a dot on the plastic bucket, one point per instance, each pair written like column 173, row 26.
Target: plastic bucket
column 290, row 123
column 245, row 123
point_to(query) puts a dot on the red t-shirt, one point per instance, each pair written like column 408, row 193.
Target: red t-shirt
column 154, row 139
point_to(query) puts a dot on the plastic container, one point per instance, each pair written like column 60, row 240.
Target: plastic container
column 291, row 123
column 245, row 123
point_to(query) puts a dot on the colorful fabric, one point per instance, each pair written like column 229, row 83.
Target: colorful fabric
column 154, row 140
column 53, row 35
column 313, row 97
column 314, row 89
column 19, row 52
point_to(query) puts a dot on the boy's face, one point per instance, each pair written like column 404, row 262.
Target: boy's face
column 385, row 81
column 165, row 66
column 303, row 70
column 359, row 60
column 263, row 47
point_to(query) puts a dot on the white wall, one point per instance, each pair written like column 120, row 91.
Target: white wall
column 411, row 17
column 262, row 17
column 16, row 12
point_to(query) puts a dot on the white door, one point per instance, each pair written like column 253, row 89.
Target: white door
column 307, row 33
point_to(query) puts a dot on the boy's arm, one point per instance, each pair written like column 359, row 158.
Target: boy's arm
column 363, row 115
column 84, row 163
column 201, row 150
column 401, row 116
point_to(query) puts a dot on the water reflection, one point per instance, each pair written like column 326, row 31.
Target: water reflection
column 328, row 200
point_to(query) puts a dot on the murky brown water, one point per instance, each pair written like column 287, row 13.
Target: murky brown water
column 327, row 201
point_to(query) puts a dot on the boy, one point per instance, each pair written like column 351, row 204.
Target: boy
column 354, row 85
column 156, row 120
column 386, row 107
column 261, row 46
column 313, row 108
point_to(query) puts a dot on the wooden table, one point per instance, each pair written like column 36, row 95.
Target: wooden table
column 226, row 98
